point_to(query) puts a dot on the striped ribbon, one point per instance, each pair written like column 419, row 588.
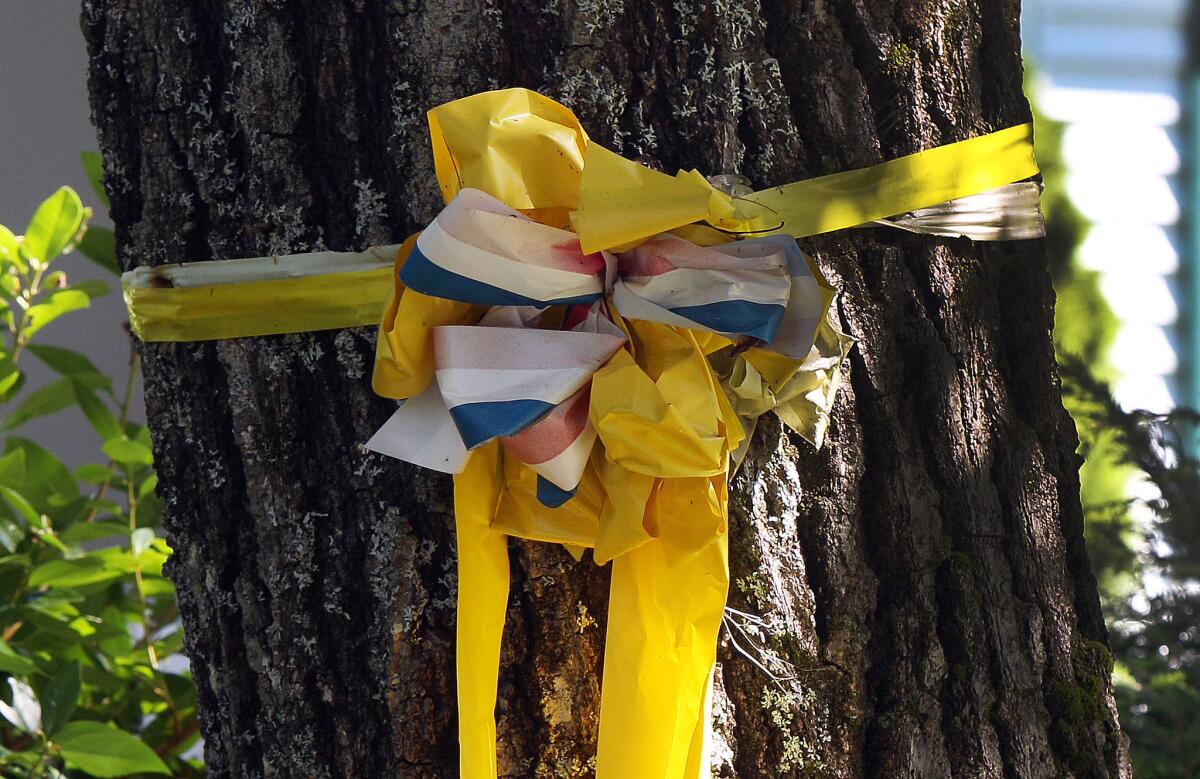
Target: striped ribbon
column 507, row 378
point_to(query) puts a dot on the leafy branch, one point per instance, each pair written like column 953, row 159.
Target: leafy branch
column 88, row 620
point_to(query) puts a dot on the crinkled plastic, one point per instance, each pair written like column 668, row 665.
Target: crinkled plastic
column 482, row 600
column 622, row 203
column 652, row 500
column 672, row 410
column 908, row 183
column 664, row 611
column 404, row 349
column 518, row 146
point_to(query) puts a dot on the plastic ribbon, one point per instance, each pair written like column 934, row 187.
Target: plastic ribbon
column 561, row 277
column 543, row 408
column 259, row 296
column 582, row 344
column 530, row 387
column 645, row 489
column 531, row 153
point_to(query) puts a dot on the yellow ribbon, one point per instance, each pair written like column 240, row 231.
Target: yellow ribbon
column 669, row 410
column 535, row 156
column 622, row 202
column 920, row 180
column 203, row 301
column 328, row 302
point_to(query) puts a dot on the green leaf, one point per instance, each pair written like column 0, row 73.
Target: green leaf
column 12, row 468
column 94, row 531
column 149, row 561
column 172, row 644
column 11, row 534
column 63, row 361
column 93, row 288
column 112, row 633
column 51, row 539
column 45, row 400
column 11, row 531
column 10, row 248
column 64, row 301
column 58, row 574
column 53, row 629
column 127, row 452
column 93, row 168
column 147, row 487
column 150, row 510
column 11, row 378
column 59, row 697
column 116, row 558
column 103, row 751
column 100, row 246
column 156, row 586
column 13, row 663
column 18, row 502
column 93, row 473
column 153, row 559
column 58, row 395
column 54, row 226
column 66, row 512
column 45, row 475
column 20, row 559
column 107, row 504
column 11, row 285
column 139, row 433
column 96, row 411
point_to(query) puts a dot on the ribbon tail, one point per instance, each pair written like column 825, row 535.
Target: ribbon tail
column 898, row 186
column 482, row 601
column 1008, row 213
column 665, row 605
column 699, row 764
column 422, row 432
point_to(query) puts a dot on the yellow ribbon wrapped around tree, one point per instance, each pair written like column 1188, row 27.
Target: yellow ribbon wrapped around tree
column 585, row 344
column 670, row 409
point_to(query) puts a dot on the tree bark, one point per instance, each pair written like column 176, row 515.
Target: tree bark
column 924, row 571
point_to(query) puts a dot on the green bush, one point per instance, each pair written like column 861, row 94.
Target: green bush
column 86, row 614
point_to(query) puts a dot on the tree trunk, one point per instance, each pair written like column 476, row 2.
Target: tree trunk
column 925, row 571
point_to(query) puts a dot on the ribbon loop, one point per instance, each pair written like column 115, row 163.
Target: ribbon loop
column 508, row 378
column 480, row 251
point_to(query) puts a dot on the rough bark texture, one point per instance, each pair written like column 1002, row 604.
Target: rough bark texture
column 925, row 571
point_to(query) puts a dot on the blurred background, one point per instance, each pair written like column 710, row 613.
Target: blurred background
column 1114, row 85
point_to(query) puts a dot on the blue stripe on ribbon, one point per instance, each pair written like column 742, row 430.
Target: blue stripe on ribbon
column 744, row 317
column 480, row 422
column 551, row 495
column 429, row 278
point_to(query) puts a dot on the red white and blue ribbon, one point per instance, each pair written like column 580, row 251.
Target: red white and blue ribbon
column 506, row 378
